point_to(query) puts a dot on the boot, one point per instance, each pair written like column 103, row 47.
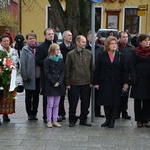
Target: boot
column 111, row 123
column 106, row 123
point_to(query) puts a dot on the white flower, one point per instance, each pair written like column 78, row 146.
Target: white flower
column 1, row 88
column 0, row 59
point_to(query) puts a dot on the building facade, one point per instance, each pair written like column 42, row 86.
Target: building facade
column 118, row 14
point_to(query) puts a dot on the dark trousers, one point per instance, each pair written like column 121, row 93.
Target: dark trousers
column 61, row 111
column 76, row 92
column 141, row 108
column 32, row 99
column 110, row 112
column 44, row 107
column 123, row 105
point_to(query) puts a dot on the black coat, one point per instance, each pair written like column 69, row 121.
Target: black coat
column 64, row 49
column 41, row 54
column 110, row 77
column 98, row 49
column 54, row 72
column 140, row 77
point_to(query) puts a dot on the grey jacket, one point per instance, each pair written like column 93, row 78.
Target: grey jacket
column 28, row 68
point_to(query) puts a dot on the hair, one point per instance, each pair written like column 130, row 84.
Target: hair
column 52, row 49
column 4, row 36
column 47, row 30
column 120, row 33
column 7, row 29
column 142, row 37
column 78, row 38
column 108, row 41
column 30, row 34
column 65, row 32
column 90, row 32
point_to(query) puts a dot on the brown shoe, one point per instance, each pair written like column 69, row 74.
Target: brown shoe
column 147, row 125
column 139, row 124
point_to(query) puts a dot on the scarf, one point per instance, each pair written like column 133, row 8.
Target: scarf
column 112, row 56
column 33, row 48
column 53, row 58
column 143, row 52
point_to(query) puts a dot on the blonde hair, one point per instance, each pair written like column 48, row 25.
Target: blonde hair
column 52, row 49
column 108, row 41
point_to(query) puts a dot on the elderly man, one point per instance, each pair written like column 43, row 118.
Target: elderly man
column 65, row 47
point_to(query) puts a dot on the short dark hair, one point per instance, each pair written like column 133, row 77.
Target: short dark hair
column 47, row 29
column 119, row 35
column 31, row 34
column 142, row 37
column 4, row 36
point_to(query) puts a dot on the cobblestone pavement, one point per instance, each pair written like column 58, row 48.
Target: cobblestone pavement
column 21, row 134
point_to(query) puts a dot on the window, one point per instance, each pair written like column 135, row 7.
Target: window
column 97, row 19
column 131, row 20
column 52, row 23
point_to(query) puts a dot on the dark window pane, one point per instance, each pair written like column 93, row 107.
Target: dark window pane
column 131, row 20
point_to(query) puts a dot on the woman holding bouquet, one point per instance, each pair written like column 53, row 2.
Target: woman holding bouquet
column 10, row 56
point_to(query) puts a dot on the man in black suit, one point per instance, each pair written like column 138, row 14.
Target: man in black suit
column 65, row 47
column 41, row 54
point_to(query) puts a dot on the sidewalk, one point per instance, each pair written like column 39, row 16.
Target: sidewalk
column 21, row 134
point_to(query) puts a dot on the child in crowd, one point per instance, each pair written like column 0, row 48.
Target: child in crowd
column 54, row 86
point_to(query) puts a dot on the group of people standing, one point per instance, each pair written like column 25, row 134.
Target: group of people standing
column 54, row 70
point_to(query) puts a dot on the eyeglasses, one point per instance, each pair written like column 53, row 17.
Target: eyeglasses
column 113, row 43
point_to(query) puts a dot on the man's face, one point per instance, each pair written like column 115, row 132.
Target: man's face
column 49, row 35
column 82, row 43
column 5, row 42
column 124, row 38
column 89, row 38
column 68, row 37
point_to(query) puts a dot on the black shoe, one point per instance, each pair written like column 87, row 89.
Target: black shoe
column 111, row 123
column 35, row 117
column 117, row 117
column 71, row 124
column 62, row 117
column 6, row 118
column 59, row 119
column 99, row 115
column 45, row 120
column 106, row 123
column 30, row 117
column 126, row 116
column 86, row 124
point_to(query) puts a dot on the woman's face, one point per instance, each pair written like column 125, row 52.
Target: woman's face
column 113, row 46
column 145, row 43
column 31, row 40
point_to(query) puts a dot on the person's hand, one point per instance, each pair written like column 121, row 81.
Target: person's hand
column 125, row 86
column 91, row 85
column 56, row 84
column 68, row 87
column 96, row 86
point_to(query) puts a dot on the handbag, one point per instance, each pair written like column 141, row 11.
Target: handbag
column 19, row 82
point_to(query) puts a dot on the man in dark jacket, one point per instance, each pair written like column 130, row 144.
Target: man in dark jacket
column 127, row 50
column 65, row 47
column 98, row 49
column 41, row 54
column 78, row 79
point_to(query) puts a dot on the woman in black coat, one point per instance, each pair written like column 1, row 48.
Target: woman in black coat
column 140, row 77
column 54, row 86
column 109, row 75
